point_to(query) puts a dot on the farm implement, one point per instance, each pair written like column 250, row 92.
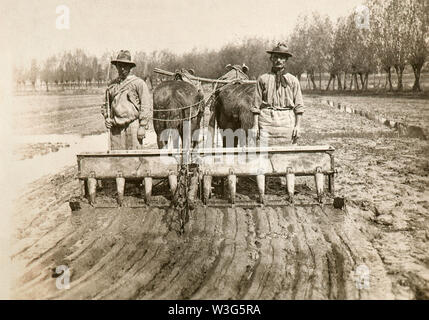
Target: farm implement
column 202, row 166
column 194, row 174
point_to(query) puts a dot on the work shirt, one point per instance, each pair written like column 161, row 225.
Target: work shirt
column 281, row 98
column 129, row 100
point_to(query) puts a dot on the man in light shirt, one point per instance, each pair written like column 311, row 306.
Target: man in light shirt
column 278, row 104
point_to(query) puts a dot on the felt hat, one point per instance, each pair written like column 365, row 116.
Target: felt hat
column 280, row 48
column 124, row 56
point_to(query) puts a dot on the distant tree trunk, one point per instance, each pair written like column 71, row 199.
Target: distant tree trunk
column 345, row 80
column 362, row 81
column 329, row 82
column 356, row 81
column 366, row 80
column 417, row 69
column 388, row 77
column 399, row 72
column 308, row 85
column 313, row 80
column 47, row 86
column 340, row 87
column 320, row 80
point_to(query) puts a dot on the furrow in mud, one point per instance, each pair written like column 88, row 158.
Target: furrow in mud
column 274, row 278
column 145, row 243
column 265, row 254
column 167, row 284
column 293, row 252
column 206, row 262
column 60, row 255
column 218, row 280
column 287, row 255
column 303, row 262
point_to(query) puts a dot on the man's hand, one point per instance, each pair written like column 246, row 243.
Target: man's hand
column 255, row 127
column 103, row 110
column 109, row 123
column 295, row 134
column 141, row 133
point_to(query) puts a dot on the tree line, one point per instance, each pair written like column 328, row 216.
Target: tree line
column 393, row 35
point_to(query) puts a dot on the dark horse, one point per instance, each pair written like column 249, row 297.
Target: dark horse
column 232, row 103
column 178, row 107
column 174, row 102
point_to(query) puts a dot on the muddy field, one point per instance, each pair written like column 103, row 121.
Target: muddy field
column 406, row 110
column 306, row 251
column 57, row 114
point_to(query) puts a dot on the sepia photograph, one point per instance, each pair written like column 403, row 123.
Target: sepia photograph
column 241, row 150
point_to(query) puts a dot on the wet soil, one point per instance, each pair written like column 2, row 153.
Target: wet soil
column 302, row 251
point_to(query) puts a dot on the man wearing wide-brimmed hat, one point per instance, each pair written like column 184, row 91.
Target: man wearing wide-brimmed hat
column 129, row 103
column 278, row 104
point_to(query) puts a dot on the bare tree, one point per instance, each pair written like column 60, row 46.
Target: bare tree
column 382, row 36
column 33, row 73
column 48, row 72
column 418, row 22
column 19, row 76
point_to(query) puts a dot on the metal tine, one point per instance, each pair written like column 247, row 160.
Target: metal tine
column 83, row 188
column 260, row 180
column 120, row 188
column 92, row 189
column 232, row 187
column 148, row 189
column 290, row 183
column 207, row 188
column 172, row 181
column 319, row 178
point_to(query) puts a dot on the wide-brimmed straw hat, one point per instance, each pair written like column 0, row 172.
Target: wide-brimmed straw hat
column 124, row 56
column 280, row 48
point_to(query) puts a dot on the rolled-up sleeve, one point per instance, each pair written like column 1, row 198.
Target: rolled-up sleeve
column 297, row 98
column 258, row 98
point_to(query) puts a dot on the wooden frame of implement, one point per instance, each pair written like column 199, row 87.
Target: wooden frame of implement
column 290, row 161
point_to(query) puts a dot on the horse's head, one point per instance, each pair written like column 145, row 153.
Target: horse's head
column 186, row 75
column 236, row 72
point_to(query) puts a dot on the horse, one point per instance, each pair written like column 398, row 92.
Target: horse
column 177, row 103
column 232, row 105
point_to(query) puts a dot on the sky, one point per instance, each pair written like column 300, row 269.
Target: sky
column 98, row 26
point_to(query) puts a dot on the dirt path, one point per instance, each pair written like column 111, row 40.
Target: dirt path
column 301, row 252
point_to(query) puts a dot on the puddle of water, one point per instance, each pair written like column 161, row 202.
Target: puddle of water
column 28, row 170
